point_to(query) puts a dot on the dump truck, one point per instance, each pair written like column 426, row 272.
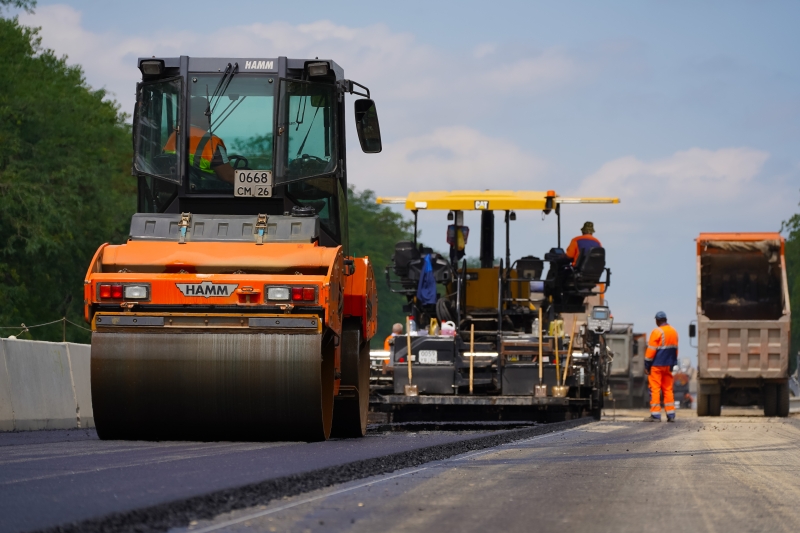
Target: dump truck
column 743, row 320
column 494, row 337
column 626, row 379
column 235, row 310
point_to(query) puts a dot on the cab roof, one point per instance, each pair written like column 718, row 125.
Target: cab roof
column 277, row 65
column 472, row 200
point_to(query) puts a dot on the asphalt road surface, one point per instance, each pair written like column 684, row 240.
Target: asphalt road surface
column 49, row 478
column 727, row 474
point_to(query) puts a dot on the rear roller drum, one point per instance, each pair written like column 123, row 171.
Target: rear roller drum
column 352, row 405
column 212, row 386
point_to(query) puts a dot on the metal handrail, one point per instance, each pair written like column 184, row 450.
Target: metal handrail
column 500, row 298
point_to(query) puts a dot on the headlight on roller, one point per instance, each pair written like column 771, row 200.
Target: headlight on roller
column 136, row 292
column 278, row 293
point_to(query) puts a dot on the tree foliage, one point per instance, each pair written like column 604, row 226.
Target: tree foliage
column 374, row 230
column 792, row 227
column 65, row 185
column 27, row 5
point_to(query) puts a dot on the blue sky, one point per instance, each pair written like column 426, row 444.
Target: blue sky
column 687, row 111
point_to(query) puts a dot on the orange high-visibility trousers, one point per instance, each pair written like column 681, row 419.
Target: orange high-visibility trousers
column 660, row 379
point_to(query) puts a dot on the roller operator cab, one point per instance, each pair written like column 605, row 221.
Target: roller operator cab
column 498, row 335
column 235, row 309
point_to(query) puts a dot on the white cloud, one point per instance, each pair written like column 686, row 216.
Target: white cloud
column 691, row 177
column 448, row 158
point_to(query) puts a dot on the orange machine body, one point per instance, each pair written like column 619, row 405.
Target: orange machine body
column 231, row 280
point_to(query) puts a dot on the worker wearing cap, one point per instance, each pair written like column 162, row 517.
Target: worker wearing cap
column 661, row 356
column 207, row 152
column 584, row 241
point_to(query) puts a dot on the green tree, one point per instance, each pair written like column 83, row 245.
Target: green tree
column 792, row 227
column 27, row 5
column 374, row 230
column 65, row 184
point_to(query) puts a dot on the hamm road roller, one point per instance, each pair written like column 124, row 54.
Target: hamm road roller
column 235, row 311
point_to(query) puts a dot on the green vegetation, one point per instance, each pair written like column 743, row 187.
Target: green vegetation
column 792, row 227
column 65, row 184
column 374, row 230
column 27, row 5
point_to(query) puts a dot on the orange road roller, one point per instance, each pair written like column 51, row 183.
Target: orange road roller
column 235, row 310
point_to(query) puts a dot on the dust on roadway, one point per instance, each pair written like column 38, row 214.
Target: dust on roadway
column 727, row 474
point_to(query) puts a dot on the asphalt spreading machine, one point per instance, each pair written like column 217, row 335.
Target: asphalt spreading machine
column 235, row 309
column 499, row 335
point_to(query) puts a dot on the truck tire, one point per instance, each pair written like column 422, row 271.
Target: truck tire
column 770, row 399
column 714, row 404
column 702, row 404
column 783, row 399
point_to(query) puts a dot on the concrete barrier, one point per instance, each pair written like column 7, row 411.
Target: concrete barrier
column 80, row 357
column 44, row 385
column 6, row 410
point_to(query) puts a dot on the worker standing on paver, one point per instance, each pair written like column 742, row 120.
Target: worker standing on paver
column 661, row 356
column 585, row 241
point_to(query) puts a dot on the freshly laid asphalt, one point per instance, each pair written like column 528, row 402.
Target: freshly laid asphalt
column 59, row 478
column 727, row 474
column 739, row 472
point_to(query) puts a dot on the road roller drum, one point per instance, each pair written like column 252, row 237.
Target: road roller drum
column 211, row 386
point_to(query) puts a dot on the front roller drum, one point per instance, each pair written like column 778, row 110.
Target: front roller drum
column 212, row 386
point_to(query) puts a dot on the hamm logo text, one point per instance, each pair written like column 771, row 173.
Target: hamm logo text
column 264, row 65
column 206, row 289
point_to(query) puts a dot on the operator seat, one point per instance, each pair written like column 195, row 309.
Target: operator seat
column 589, row 268
column 404, row 253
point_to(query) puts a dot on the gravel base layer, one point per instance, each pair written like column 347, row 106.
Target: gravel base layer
column 180, row 512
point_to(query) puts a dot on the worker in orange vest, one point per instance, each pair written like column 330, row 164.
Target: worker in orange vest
column 661, row 356
column 584, row 241
column 397, row 329
column 207, row 152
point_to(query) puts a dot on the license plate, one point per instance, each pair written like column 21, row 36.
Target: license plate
column 253, row 183
column 428, row 357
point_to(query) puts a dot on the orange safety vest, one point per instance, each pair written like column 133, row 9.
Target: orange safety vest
column 662, row 348
column 386, row 345
column 581, row 242
column 195, row 137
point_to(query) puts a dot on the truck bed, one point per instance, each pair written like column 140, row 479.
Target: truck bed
column 743, row 349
